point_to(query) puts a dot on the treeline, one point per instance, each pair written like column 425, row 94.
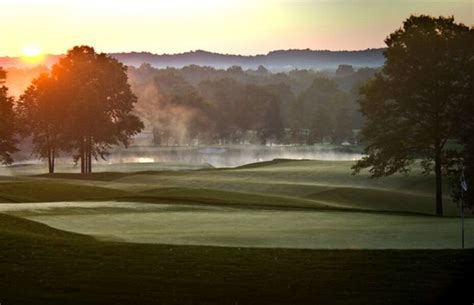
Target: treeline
column 81, row 107
column 204, row 105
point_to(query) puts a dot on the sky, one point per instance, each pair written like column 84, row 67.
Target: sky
column 225, row 26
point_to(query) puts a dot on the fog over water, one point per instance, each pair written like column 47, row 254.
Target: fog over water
column 231, row 156
column 150, row 158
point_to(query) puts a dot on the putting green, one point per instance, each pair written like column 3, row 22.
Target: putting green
column 181, row 224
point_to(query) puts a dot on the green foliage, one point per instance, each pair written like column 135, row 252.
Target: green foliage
column 227, row 114
column 319, row 110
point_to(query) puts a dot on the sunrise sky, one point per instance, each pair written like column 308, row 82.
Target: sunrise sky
column 227, row 26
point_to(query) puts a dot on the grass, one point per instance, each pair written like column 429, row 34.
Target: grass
column 374, row 199
column 226, row 198
column 277, row 205
column 45, row 266
column 191, row 224
column 308, row 184
column 45, row 191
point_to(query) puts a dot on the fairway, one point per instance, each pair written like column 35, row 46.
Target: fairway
column 281, row 183
column 277, row 232
column 181, row 224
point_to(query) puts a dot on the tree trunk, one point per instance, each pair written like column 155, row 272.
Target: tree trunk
column 89, row 154
column 50, row 162
column 439, row 181
column 82, row 152
column 53, row 160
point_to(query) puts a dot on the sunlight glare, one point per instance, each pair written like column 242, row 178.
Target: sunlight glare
column 32, row 55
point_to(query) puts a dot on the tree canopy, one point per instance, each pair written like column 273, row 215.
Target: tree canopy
column 7, row 123
column 83, row 106
column 412, row 106
column 43, row 114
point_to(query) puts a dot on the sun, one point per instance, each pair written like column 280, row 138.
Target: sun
column 32, row 55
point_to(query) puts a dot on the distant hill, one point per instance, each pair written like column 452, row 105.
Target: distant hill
column 281, row 60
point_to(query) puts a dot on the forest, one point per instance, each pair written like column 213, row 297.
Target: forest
column 203, row 105
column 197, row 105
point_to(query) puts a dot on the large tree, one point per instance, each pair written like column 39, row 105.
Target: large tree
column 100, row 103
column 43, row 112
column 411, row 106
column 7, row 123
column 461, row 159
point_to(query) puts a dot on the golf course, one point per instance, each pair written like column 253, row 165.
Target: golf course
column 275, row 232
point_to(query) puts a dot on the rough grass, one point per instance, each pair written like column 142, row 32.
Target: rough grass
column 45, row 266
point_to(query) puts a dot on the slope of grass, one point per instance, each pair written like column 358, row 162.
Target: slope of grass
column 218, row 197
column 62, row 269
column 101, row 176
column 379, row 200
column 268, row 163
column 45, row 191
column 221, row 225
column 21, row 228
column 280, row 182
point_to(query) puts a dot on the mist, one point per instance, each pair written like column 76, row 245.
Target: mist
column 231, row 156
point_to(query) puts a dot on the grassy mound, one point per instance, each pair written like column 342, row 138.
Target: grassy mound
column 43, row 191
column 268, row 163
column 377, row 200
column 64, row 269
column 281, row 182
column 211, row 196
column 21, row 228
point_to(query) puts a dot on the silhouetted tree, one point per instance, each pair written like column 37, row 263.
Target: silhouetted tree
column 411, row 107
column 7, row 123
column 461, row 161
column 43, row 111
column 101, row 103
column 344, row 70
column 262, row 70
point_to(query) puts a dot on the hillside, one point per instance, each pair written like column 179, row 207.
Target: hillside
column 280, row 60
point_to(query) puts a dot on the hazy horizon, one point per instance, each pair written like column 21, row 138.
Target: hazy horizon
column 227, row 27
column 205, row 51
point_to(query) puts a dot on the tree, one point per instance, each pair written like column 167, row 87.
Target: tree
column 461, row 160
column 342, row 127
column 321, row 126
column 43, row 114
column 344, row 70
column 316, row 108
column 100, row 103
column 411, row 106
column 7, row 123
